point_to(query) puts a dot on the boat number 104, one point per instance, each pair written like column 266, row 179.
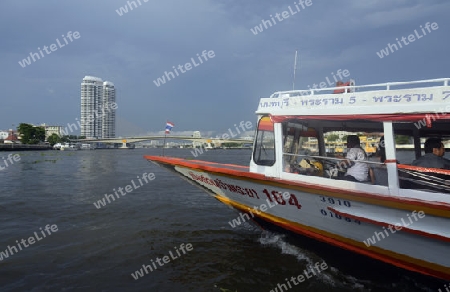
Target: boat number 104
column 335, row 201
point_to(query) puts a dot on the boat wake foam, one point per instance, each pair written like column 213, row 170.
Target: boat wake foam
column 277, row 240
column 332, row 276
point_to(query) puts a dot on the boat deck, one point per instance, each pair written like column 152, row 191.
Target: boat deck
column 200, row 164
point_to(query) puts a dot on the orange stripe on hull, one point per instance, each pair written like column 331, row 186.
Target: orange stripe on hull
column 377, row 253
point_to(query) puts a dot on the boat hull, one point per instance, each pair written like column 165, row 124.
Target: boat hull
column 68, row 149
column 356, row 222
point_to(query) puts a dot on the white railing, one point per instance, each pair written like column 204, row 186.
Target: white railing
column 387, row 86
column 332, row 158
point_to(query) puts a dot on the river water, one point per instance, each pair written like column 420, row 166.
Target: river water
column 98, row 248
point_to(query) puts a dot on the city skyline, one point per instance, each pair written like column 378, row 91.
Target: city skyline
column 375, row 41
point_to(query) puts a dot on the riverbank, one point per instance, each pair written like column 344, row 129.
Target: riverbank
column 23, row 147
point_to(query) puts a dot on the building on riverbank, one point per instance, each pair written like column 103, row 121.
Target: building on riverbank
column 11, row 138
column 98, row 119
column 50, row 130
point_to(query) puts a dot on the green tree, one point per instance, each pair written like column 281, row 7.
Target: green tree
column 332, row 137
column 402, row 139
column 65, row 139
column 53, row 139
column 25, row 131
column 31, row 134
column 230, row 144
column 39, row 135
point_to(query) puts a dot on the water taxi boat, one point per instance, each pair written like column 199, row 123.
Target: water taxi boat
column 404, row 222
column 68, row 147
column 86, row 146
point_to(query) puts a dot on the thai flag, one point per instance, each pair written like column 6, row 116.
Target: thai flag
column 169, row 127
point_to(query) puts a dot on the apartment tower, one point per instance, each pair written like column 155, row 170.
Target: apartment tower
column 108, row 114
column 98, row 120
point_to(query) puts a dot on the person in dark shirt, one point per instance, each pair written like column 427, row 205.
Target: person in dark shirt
column 378, row 173
column 434, row 152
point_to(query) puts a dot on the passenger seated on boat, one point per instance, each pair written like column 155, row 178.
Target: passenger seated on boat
column 356, row 171
column 418, row 179
column 288, row 159
column 378, row 174
column 434, row 152
column 287, row 164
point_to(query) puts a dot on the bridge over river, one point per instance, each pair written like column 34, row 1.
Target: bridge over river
column 125, row 140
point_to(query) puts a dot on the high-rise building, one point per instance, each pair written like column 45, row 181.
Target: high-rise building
column 91, row 98
column 98, row 119
column 108, row 114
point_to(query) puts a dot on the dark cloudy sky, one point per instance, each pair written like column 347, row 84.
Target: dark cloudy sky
column 136, row 48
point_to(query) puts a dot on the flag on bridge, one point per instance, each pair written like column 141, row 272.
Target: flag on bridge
column 169, row 127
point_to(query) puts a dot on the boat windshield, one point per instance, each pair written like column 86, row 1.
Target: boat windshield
column 299, row 142
column 264, row 150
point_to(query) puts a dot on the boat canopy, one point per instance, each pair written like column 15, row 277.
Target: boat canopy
column 374, row 117
column 295, row 130
column 412, row 103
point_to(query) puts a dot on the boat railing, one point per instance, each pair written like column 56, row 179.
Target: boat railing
column 334, row 167
column 333, row 158
column 351, row 88
column 424, row 178
column 410, row 177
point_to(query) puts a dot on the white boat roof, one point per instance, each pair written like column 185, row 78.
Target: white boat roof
column 413, row 97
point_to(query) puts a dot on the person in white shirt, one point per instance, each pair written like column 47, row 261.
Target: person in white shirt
column 356, row 171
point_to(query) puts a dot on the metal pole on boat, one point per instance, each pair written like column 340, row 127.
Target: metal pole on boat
column 164, row 143
column 295, row 67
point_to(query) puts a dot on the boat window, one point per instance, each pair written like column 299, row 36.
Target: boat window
column 264, row 151
column 417, row 169
column 302, row 153
column 424, row 178
column 299, row 145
